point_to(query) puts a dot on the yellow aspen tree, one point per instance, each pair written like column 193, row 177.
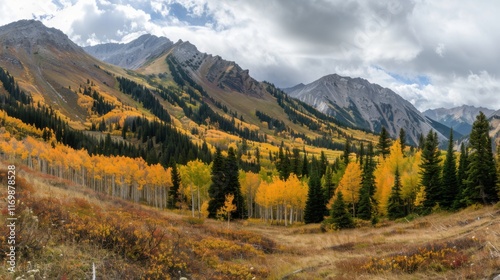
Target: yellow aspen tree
column 384, row 175
column 410, row 178
column 228, row 208
column 350, row 184
column 249, row 184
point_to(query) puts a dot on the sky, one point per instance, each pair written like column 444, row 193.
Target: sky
column 432, row 53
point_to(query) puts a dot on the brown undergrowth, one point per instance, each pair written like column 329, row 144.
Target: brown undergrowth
column 63, row 231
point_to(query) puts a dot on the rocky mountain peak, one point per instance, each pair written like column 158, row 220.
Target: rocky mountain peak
column 31, row 34
column 131, row 55
column 359, row 103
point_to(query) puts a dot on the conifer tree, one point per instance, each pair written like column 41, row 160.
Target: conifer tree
column 305, row 164
column 481, row 173
column 463, row 163
column 449, row 183
column 232, row 185
column 384, row 143
column 315, row 204
column 328, row 184
column 347, row 151
column 498, row 168
column 402, row 139
column 216, row 189
column 340, row 216
column 176, row 184
column 395, row 206
column 323, row 163
column 421, row 142
column 430, row 171
column 367, row 191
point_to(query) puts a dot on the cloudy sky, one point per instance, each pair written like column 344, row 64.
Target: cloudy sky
column 433, row 53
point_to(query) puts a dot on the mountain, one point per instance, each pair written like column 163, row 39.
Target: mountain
column 229, row 90
column 132, row 55
column 459, row 118
column 199, row 101
column 361, row 104
column 50, row 67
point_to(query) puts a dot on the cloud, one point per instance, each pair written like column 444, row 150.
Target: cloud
column 451, row 45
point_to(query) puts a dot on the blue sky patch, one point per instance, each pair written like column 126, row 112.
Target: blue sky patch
column 185, row 15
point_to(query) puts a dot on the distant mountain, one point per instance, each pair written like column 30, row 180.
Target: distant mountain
column 131, row 55
column 361, row 104
column 459, row 118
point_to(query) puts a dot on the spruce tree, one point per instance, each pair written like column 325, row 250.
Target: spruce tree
column 481, row 173
column 315, row 204
column 395, row 205
column 305, row 164
column 232, row 185
column 463, row 163
column 384, row 143
column 430, row 171
column 216, row 189
column 367, row 191
column 421, row 142
column 498, row 167
column 449, row 183
column 402, row 140
column 328, row 184
column 340, row 216
column 347, row 151
column 173, row 193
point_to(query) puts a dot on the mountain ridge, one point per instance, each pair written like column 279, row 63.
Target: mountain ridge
column 459, row 118
column 363, row 104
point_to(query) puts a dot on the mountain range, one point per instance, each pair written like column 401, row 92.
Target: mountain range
column 53, row 69
column 459, row 118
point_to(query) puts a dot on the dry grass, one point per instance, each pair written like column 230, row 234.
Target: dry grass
column 462, row 245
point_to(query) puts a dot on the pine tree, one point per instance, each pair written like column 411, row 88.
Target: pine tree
column 449, row 183
column 176, row 184
column 347, row 151
column 481, row 173
column 323, row 163
column 216, row 189
column 367, row 191
column 328, row 184
column 498, row 167
column 402, row 139
column 431, row 171
column 232, row 185
column 305, row 164
column 315, row 204
column 340, row 216
column 395, row 206
column 384, row 142
column 421, row 142
column 463, row 163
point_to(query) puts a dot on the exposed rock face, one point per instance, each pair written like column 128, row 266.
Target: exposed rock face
column 226, row 75
column 459, row 118
column 131, row 55
column 359, row 103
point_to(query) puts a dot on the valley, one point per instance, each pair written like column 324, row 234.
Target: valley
column 153, row 160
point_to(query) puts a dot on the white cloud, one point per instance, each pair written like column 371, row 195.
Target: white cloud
column 453, row 43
